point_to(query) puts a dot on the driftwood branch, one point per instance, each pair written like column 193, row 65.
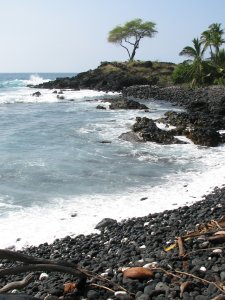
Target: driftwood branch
column 42, row 267
column 16, row 256
column 17, row 284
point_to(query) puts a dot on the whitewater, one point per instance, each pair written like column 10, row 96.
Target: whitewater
column 63, row 167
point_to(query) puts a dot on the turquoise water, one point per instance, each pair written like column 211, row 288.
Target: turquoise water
column 53, row 161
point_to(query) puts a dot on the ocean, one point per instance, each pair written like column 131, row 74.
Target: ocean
column 63, row 167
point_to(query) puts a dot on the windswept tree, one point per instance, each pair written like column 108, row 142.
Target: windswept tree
column 130, row 34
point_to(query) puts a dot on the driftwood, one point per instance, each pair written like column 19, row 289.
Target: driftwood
column 42, row 267
column 17, row 284
column 16, row 256
column 37, row 264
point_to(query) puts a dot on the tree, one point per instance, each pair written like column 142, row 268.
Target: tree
column 207, row 41
column 220, row 67
column 217, row 36
column 196, row 54
column 130, row 34
column 213, row 38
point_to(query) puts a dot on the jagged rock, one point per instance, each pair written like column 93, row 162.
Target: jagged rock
column 123, row 103
column 148, row 131
column 204, row 137
column 205, row 106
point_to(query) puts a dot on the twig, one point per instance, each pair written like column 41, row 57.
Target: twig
column 166, row 272
column 196, row 234
column 181, row 246
column 201, row 279
column 189, row 275
column 217, row 224
column 17, row 284
column 102, row 287
column 199, row 250
column 101, row 278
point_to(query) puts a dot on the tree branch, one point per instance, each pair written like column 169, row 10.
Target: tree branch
column 125, row 48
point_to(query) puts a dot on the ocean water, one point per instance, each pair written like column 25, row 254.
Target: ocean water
column 63, row 167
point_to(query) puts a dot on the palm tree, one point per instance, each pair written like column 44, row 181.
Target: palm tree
column 217, row 36
column 221, row 59
column 207, row 41
column 196, row 54
column 213, row 37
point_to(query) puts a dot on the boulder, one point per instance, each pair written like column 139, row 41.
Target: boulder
column 105, row 223
column 131, row 137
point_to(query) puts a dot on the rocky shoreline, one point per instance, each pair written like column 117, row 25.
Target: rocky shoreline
column 204, row 115
column 206, row 102
column 197, row 273
column 179, row 253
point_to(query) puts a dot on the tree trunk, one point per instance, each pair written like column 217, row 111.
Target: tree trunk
column 136, row 46
column 133, row 54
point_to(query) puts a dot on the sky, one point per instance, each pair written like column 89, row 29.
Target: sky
column 71, row 35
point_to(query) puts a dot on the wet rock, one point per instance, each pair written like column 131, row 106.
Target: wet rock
column 204, row 137
column 149, row 132
column 131, row 137
column 100, row 107
column 36, row 94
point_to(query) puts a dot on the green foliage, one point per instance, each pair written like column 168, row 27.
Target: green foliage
column 131, row 33
column 201, row 71
column 182, row 73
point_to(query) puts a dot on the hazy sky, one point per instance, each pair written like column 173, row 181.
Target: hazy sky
column 71, row 35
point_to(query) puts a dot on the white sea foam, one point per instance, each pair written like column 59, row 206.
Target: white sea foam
column 35, row 79
column 24, row 95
